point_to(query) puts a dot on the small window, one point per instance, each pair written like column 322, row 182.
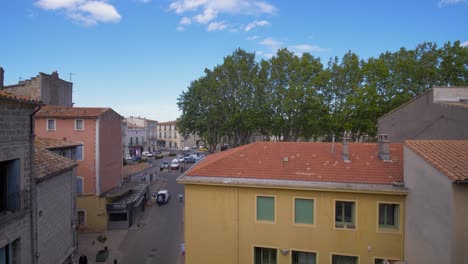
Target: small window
column 51, row 124
column 79, row 124
column 118, row 217
column 388, row 215
column 303, row 211
column 340, row 259
column 299, row 257
column 265, row 255
column 79, row 185
column 266, row 208
column 81, row 217
column 79, row 152
column 344, row 214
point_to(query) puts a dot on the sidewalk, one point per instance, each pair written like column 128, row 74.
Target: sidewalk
column 88, row 245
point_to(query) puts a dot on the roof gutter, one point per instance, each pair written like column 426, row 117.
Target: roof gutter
column 465, row 181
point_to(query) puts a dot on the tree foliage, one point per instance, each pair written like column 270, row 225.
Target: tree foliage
column 291, row 98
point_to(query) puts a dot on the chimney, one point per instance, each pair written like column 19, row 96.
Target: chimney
column 384, row 147
column 2, row 72
column 346, row 149
column 55, row 75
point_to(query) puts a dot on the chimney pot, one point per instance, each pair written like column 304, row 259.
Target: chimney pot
column 2, row 72
column 384, row 147
column 346, row 149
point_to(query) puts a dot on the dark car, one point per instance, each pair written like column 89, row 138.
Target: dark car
column 190, row 159
column 136, row 158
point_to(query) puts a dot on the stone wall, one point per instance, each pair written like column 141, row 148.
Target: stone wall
column 15, row 143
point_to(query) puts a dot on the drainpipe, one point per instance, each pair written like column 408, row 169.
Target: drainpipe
column 32, row 193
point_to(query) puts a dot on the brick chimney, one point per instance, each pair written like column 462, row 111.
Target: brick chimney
column 384, row 147
column 2, row 74
column 346, row 149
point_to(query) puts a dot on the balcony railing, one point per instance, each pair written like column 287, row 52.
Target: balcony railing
column 14, row 204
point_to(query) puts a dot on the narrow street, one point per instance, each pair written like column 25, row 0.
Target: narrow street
column 156, row 238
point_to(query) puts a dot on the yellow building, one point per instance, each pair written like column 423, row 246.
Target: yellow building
column 279, row 202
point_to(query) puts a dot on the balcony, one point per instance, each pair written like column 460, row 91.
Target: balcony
column 14, row 204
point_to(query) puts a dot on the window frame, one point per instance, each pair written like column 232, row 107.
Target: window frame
column 303, row 250
column 274, row 209
column 82, row 152
column 389, row 229
column 82, row 125
column 314, row 209
column 267, row 247
column 84, row 217
column 354, row 212
column 55, row 124
column 82, row 185
column 344, row 255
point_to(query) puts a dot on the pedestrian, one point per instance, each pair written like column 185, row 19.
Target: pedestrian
column 181, row 197
column 85, row 260
column 115, row 261
column 81, row 260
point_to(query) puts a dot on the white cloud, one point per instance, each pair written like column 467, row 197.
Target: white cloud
column 83, row 11
column 252, row 38
column 185, row 21
column 217, row 26
column 207, row 15
column 443, row 3
column 301, row 48
column 464, row 44
column 271, row 43
column 206, row 11
column 180, row 28
column 254, row 24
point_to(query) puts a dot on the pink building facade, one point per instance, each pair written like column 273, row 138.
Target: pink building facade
column 99, row 130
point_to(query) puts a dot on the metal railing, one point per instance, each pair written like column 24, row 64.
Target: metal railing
column 14, row 204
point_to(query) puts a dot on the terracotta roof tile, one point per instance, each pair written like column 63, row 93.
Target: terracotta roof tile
column 71, row 112
column 132, row 169
column 24, row 99
column 51, row 143
column 448, row 156
column 307, row 161
column 47, row 163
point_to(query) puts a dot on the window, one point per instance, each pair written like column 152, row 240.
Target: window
column 8, row 253
column 344, row 214
column 79, row 124
column 303, row 211
column 81, row 217
column 136, row 140
column 51, row 124
column 265, row 255
column 266, row 208
column 299, row 257
column 79, row 152
column 131, row 141
column 388, row 215
column 79, row 185
column 10, row 198
column 339, row 259
column 118, row 217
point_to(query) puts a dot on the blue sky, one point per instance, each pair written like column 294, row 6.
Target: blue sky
column 137, row 56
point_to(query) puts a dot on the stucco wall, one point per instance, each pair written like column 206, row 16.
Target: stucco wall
column 429, row 214
column 55, row 212
column 15, row 143
column 110, row 146
column 423, row 119
column 65, row 128
column 95, row 212
column 221, row 227
column 460, row 230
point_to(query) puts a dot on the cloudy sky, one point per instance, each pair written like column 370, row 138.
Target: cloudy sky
column 137, row 56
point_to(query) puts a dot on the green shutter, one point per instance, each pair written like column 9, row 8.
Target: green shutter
column 304, row 211
column 265, row 208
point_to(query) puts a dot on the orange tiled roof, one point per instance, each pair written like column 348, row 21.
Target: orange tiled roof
column 25, row 99
column 46, row 162
column 307, row 161
column 448, row 156
column 71, row 112
column 51, row 143
column 132, row 169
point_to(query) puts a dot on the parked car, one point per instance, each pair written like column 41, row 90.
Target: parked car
column 162, row 197
column 175, row 164
column 145, row 153
column 164, row 165
column 149, row 155
column 191, row 159
column 128, row 157
column 186, row 148
column 136, row 158
column 202, row 149
column 181, row 159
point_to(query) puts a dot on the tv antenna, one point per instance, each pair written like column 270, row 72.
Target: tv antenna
column 71, row 73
